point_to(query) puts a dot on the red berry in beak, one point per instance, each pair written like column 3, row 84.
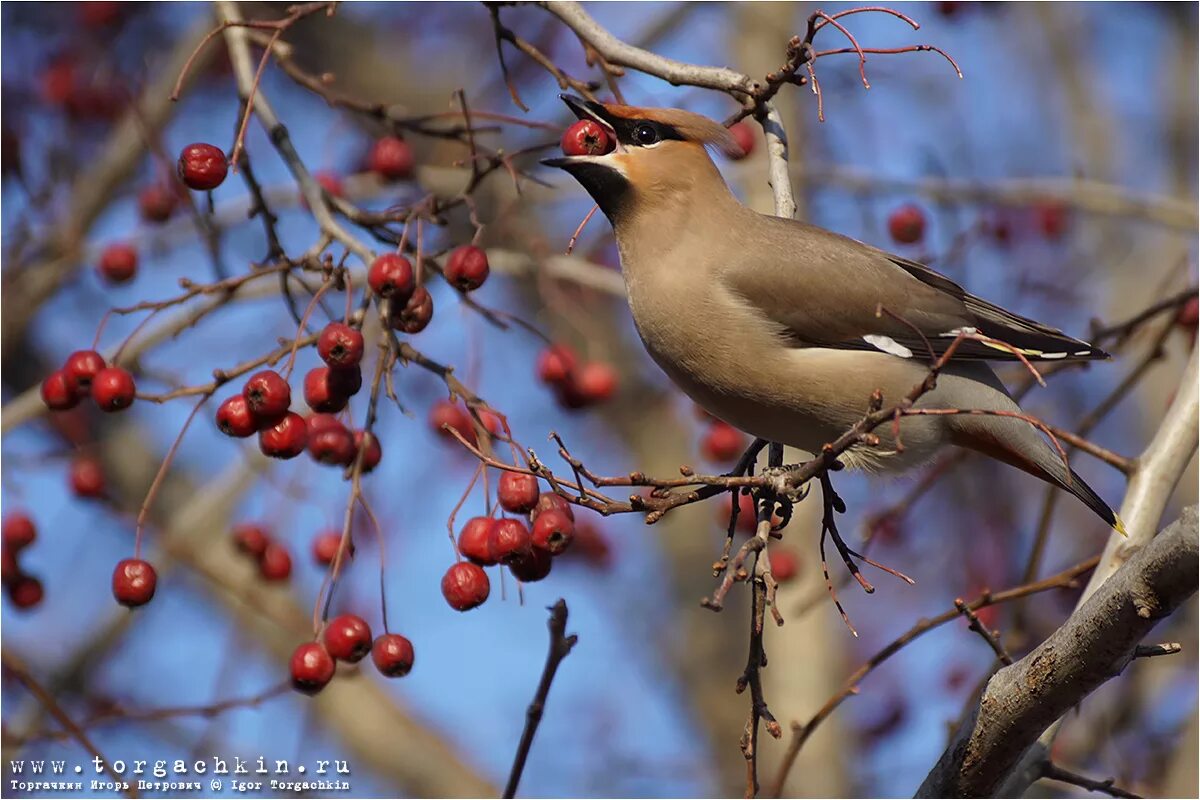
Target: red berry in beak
column 586, row 138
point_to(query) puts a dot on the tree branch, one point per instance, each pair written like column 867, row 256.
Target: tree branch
column 1095, row 644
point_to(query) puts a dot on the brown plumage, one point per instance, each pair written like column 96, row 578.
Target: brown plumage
column 772, row 324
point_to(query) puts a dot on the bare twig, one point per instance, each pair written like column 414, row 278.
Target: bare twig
column 560, row 648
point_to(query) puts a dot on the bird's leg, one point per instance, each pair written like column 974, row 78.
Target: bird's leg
column 833, row 504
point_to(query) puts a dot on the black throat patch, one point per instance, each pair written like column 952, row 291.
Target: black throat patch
column 607, row 186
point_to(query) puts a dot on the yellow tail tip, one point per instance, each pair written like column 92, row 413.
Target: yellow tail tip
column 1119, row 525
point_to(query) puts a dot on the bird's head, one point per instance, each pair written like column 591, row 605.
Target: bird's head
column 660, row 156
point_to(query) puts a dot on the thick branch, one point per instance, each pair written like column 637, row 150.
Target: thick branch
column 1095, row 644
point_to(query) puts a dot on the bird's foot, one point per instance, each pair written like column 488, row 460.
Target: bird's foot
column 779, row 481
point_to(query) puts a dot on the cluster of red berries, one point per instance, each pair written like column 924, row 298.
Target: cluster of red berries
column 348, row 638
column 86, row 373
column 81, row 90
column 263, row 407
column 410, row 307
column 575, row 385
column 586, row 138
column 1050, row 218
column 526, row 549
column 134, row 582
column 272, row 556
column 18, row 532
column 447, row 415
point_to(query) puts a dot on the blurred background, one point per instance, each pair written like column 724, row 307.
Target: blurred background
column 1057, row 178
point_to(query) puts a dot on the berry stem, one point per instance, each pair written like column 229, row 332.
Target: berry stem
column 156, row 484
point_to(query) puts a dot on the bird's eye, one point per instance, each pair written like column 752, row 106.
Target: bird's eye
column 645, row 134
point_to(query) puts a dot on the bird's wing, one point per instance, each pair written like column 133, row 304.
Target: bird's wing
column 827, row 290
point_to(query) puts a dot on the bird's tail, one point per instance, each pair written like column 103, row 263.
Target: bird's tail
column 1018, row 443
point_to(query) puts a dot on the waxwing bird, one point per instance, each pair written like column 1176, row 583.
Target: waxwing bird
column 772, row 324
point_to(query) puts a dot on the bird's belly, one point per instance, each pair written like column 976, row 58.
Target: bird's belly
column 801, row 398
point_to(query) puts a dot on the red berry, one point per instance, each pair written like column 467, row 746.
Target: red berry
column 596, row 381
column 551, row 501
column 784, row 564
column 202, row 166
column 17, row 532
column 234, row 418
column 415, row 315
column 113, row 389
column 553, row 531
column 1051, row 219
column 509, row 541
column 325, row 547
column 268, row 396
column 275, row 563
column 1186, row 318
column 99, row 13
column 467, row 268
column 322, row 422
column 722, row 442
column 448, row 414
column 393, row 655
column 907, row 224
column 157, row 202
column 251, row 539
column 332, row 444
column 391, row 275
column 555, row 364
column 474, row 540
column 9, row 569
column 134, row 582
column 491, row 422
column 517, row 492
column 747, row 521
column 340, row 345
column 286, row 439
column 374, row 451
column 591, row 545
column 58, row 80
column 87, row 477
column 58, row 393
column 533, row 567
column 887, row 527
column 312, row 668
column 586, row 138
column 345, row 380
column 743, row 134
column 322, row 391
column 25, row 591
column 331, row 182
column 391, row 158
column 348, row 638
column 81, row 367
column 118, row 263
column 465, row 586
column 570, row 396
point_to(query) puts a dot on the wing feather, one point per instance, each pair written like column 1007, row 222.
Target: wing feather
column 836, row 292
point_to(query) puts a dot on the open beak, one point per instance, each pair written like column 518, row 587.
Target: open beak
column 583, row 109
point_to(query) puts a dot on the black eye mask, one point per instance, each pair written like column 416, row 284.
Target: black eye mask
column 642, row 132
